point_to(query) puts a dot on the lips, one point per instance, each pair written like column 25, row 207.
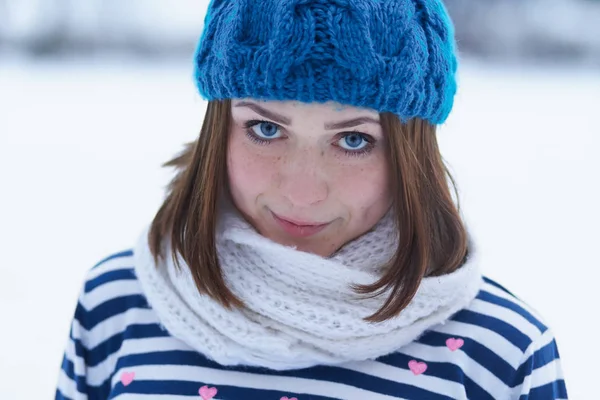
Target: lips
column 299, row 228
column 299, row 222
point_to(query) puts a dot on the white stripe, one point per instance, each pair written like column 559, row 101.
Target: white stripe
column 507, row 315
column 501, row 293
column 486, row 337
column 78, row 362
column 68, row 387
column 478, row 374
column 433, row 384
column 540, row 377
column 91, row 375
column 109, row 291
column 543, row 340
column 110, row 265
column 98, row 374
column 548, row 373
column 136, row 396
column 113, row 325
column 248, row 380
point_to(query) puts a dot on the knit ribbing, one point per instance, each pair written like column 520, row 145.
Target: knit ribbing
column 300, row 310
column 394, row 56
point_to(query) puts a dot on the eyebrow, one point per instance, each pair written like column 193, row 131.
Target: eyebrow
column 265, row 113
column 351, row 122
column 287, row 121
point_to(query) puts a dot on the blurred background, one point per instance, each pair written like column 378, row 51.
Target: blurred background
column 565, row 31
column 95, row 95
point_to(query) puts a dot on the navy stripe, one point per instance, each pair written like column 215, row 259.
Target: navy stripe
column 474, row 391
column 80, row 350
column 365, row 381
column 60, row 396
column 475, row 351
column 499, row 286
column 545, row 355
column 101, row 392
column 122, row 254
column 90, row 318
column 442, row 370
column 93, row 393
column 110, row 346
column 538, row 359
column 319, row 373
column 509, row 332
column 69, row 368
column 185, row 388
column 550, row 391
column 491, row 298
column 472, row 352
column 110, row 276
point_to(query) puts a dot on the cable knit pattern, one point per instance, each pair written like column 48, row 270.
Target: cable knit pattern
column 300, row 310
column 389, row 55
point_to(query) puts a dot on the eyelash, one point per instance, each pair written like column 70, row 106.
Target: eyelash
column 252, row 136
column 358, row 153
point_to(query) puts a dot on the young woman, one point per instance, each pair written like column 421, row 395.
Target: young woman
column 309, row 246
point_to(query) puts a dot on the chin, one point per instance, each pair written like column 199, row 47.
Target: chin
column 316, row 246
column 313, row 245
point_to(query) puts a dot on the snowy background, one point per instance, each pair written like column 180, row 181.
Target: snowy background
column 84, row 128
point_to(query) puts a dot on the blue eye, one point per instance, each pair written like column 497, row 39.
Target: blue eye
column 353, row 141
column 265, row 130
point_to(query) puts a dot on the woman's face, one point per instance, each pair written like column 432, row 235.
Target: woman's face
column 313, row 176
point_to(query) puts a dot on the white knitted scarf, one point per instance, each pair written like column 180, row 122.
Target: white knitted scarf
column 301, row 310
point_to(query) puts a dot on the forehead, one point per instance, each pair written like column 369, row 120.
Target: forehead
column 329, row 110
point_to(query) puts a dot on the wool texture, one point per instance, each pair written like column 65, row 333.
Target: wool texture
column 301, row 310
column 395, row 56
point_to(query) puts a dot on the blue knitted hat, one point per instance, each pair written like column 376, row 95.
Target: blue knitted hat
column 394, row 56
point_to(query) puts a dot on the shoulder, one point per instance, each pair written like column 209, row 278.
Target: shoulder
column 497, row 328
column 111, row 278
column 117, row 266
column 503, row 334
column 501, row 344
column 111, row 317
column 111, row 299
column 506, row 314
column 501, row 322
column 511, row 341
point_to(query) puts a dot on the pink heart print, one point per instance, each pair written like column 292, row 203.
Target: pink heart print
column 127, row 378
column 288, row 398
column 416, row 367
column 454, row 344
column 207, row 393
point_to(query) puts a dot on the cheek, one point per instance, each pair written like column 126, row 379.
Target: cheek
column 250, row 175
column 365, row 188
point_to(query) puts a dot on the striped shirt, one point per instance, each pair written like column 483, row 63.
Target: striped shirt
column 496, row 348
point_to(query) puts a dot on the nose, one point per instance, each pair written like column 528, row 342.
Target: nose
column 303, row 179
